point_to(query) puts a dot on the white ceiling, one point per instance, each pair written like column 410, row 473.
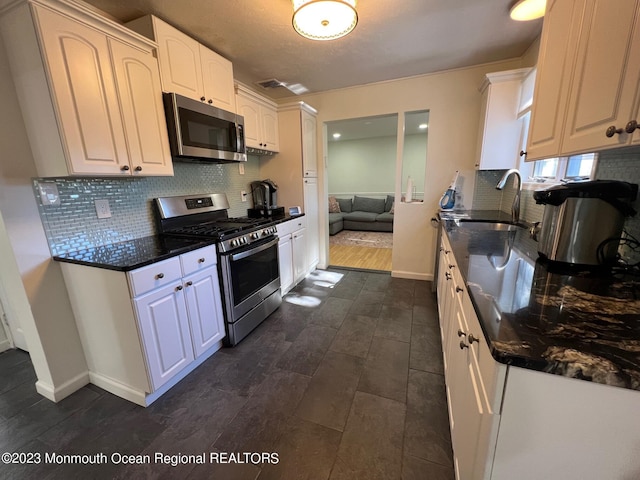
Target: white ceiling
column 393, row 38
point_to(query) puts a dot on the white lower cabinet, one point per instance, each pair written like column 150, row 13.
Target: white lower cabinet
column 285, row 262
column 202, row 293
column 144, row 330
column 164, row 328
column 292, row 253
column 509, row 422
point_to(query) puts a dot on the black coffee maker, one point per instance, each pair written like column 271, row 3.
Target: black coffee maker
column 265, row 203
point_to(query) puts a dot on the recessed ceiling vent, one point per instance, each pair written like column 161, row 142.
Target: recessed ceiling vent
column 295, row 88
column 272, row 83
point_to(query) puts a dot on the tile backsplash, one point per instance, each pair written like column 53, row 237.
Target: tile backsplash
column 73, row 224
column 621, row 164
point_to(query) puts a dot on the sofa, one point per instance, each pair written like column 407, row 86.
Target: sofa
column 361, row 213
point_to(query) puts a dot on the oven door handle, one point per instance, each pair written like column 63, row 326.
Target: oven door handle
column 241, row 255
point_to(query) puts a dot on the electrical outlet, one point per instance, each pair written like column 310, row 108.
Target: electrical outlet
column 243, row 195
column 103, row 209
column 241, row 168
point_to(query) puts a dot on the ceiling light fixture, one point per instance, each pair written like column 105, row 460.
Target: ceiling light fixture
column 324, row 19
column 336, row 135
column 524, row 10
column 423, row 126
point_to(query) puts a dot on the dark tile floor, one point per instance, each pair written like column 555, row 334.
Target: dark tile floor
column 343, row 381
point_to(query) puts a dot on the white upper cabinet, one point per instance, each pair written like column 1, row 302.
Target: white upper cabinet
column 138, row 86
column 260, row 120
column 187, row 67
column 217, row 79
column 588, row 86
column 499, row 134
column 309, row 156
column 88, row 90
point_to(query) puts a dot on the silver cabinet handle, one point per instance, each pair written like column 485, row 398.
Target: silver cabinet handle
column 159, row 276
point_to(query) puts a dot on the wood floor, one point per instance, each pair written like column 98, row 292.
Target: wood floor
column 366, row 258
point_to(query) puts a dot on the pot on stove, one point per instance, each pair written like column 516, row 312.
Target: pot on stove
column 583, row 221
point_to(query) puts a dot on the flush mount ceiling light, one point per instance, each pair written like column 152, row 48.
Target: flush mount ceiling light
column 324, row 19
column 524, row 10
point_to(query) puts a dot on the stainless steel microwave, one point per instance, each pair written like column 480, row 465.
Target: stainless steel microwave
column 202, row 133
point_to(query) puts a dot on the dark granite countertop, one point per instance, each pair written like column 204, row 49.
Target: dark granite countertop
column 131, row 254
column 535, row 315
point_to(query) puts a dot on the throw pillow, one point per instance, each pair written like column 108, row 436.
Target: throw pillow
column 345, row 204
column 388, row 203
column 334, row 206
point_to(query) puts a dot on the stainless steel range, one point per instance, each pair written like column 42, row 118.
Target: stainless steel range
column 247, row 256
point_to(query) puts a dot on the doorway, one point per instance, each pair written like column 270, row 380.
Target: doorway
column 370, row 162
column 361, row 172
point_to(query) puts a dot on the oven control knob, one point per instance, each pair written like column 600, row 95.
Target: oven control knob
column 255, row 236
column 243, row 240
column 234, row 243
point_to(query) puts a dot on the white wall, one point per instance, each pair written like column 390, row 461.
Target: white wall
column 48, row 322
column 453, row 101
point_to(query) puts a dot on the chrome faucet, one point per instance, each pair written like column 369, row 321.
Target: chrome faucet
column 515, row 208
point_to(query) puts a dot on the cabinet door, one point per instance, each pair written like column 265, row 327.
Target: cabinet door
column 179, row 58
column 270, row 134
column 309, row 155
column 606, row 76
column 500, row 130
column 83, row 90
column 555, row 65
column 311, row 211
column 250, row 110
column 138, row 84
column 285, row 263
column 217, row 79
column 299, row 251
column 164, row 328
column 202, row 292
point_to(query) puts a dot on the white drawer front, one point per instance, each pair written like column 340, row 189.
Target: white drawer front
column 198, row 259
column 153, row 276
column 286, row 228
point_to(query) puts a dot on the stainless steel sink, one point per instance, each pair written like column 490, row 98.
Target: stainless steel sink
column 490, row 226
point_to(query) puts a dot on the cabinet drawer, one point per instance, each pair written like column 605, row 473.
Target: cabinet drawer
column 153, row 276
column 287, row 228
column 198, row 259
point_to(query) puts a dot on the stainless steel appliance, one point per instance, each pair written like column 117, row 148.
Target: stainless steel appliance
column 247, row 256
column 583, row 221
column 265, row 203
column 199, row 132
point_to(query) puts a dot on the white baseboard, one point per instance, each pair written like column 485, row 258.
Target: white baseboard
column 143, row 398
column 55, row 394
column 412, row 275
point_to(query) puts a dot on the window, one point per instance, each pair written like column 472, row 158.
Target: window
column 576, row 167
column 554, row 170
